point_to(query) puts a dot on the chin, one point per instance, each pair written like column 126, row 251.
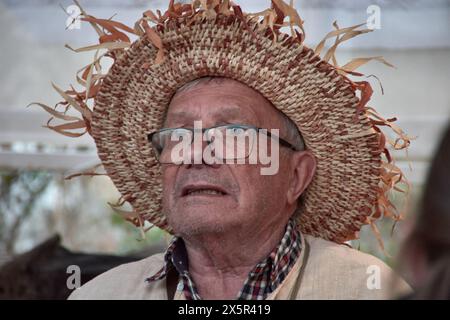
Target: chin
column 197, row 221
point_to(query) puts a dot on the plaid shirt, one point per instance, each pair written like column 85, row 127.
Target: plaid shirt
column 265, row 277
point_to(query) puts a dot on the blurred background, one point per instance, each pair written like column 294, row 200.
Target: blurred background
column 71, row 219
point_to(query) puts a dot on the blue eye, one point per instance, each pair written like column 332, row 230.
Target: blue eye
column 180, row 132
column 236, row 130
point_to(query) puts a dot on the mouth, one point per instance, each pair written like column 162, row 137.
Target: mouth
column 203, row 190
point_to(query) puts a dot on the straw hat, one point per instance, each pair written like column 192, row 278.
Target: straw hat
column 215, row 38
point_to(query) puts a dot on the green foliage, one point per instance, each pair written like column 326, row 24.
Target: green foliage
column 20, row 192
column 132, row 240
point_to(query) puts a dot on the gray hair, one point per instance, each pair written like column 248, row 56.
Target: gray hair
column 293, row 134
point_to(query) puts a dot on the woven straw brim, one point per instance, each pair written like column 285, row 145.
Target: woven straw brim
column 136, row 93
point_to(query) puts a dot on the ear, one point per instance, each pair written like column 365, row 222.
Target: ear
column 303, row 168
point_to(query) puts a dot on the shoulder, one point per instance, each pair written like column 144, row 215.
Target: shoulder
column 340, row 255
column 337, row 271
column 126, row 281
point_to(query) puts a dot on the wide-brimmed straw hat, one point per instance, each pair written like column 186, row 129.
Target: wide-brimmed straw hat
column 266, row 52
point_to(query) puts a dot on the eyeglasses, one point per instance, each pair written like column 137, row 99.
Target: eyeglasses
column 229, row 142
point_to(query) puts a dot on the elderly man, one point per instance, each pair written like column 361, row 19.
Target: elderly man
column 240, row 231
column 239, row 226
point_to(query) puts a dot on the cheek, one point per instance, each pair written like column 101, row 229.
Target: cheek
column 256, row 188
column 168, row 182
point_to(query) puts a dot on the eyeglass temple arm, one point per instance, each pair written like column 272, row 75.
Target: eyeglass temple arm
column 281, row 140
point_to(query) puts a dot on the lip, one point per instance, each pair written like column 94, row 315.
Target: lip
column 194, row 187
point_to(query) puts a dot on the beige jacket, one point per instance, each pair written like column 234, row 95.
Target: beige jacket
column 325, row 270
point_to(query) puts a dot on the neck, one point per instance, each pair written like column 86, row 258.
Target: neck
column 220, row 262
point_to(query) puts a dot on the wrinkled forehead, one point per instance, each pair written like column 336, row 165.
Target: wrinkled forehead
column 227, row 101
